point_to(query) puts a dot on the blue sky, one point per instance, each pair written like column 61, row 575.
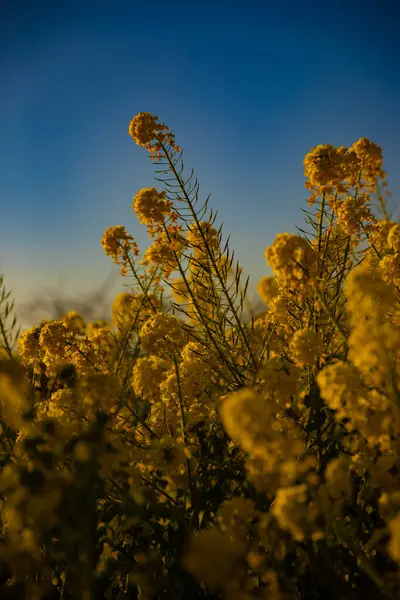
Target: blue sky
column 247, row 87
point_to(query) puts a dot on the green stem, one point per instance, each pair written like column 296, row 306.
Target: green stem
column 209, row 251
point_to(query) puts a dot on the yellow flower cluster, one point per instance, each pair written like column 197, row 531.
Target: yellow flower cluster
column 152, row 208
column 165, row 250
column 191, row 384
column 370, row 160
column 146, row 131
column 130, row 309
column 148, row 374
column 292, row 260
column 267, row 289
column 117, row 243
column 333, row 171
column 258, row 452
column 74, row 321
column 163, row 335
column 306, row 347
column 352, row 213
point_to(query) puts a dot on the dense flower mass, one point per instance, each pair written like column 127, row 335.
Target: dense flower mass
column 267, row 289
column 165, row 250
column 151, row 207
column 117, row 243
column 292, row 259
column 162, row 335
column 146, row 131
column 193, row 447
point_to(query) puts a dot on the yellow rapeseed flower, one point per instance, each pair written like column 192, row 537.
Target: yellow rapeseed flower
column 151, row 207
column 117, row 243
column 267, row 288
column 147, row 132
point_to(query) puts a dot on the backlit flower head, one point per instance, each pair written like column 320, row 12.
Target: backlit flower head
column 117, row 243
column 147, row 132
column 151, row 207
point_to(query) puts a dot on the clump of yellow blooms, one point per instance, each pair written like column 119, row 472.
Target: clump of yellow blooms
column 165, row 250
column 334, row 171
column 292, row 260
column 148, row 373
column 267, row 289
column 129, row 308
column 146, row 131
column 162, row 335
column 306, row 347
column 117, row 243
column 151, row 208
column 74, row 321
column 189, row 448
column 247, row 417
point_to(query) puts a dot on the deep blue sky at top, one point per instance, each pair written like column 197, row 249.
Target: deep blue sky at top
column 248, row 87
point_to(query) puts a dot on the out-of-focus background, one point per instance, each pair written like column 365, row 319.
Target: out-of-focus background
column 247, row 87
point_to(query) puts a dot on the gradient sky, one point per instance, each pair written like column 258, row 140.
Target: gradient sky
column 247, row 87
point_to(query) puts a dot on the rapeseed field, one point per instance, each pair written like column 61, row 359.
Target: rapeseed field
column 192, row 448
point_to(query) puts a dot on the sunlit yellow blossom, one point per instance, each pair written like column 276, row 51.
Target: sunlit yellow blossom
column 74, row 321
column 132, row 310
column 292, row 259
column 165, row 251
column 379, row 236
column 327, row 167
column 306, row 346
column 389, row 268
column 146, row 131
column 61, row 404
column 151, row 207
column 250, row 420
column 29, row 350
column 246, row 418
column 352, row 212
column 148, row 373
column 118, row 244
column 162, row 335
column 393, row 239
column 367, row 293
column 279, row 380
column 53, row 337
column 373, row 341
column 267, row 289
column 95, row 327
column 370, row 160
column 195, row 380
column 100, row 334
column 338, row 383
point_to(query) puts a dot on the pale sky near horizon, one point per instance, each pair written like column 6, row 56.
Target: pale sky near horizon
column 248, row 90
